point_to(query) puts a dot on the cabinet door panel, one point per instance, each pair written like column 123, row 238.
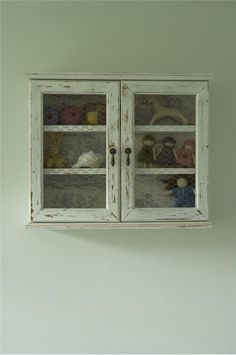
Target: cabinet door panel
column 164, row 127
column 74, row 130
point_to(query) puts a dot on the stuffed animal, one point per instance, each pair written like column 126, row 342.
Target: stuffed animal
column 161, row 112
column 55, row 159
column 147, row 154
column 166, row 157
column 184, row 193
column 89, row 160
column 50, row 116
column 171, row 182
column 72, row 115
column 96, row 113
column 186, row 156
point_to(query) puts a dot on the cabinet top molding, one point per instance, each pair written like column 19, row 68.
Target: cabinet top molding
column 119, row 76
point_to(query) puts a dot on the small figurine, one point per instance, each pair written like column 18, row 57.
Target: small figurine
column 186, row 156
column 96, row 113
column 184, row 193
column 71, row 115
column 147, row 154
column 161, row 112
column 167, row 156
column 50, row 116
column 91, row 114
column 89, row 160
column 55, row 159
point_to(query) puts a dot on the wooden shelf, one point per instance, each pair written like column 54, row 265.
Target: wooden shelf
column 122, row 225
column 74, row 128
column 160, row 128
column 75, row 171
column 171, row 171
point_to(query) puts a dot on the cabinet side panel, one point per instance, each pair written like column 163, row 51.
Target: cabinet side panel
column 202, row 178
column 35, row 147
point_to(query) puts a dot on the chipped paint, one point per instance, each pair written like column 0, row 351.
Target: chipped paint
column 112, row 91
column 129, row 212
column 31, row 205
column 126, row 116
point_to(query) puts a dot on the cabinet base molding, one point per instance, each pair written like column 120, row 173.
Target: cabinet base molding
column 123, row 225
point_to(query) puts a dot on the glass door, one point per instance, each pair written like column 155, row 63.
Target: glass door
column 75, row 151
column 163, row 152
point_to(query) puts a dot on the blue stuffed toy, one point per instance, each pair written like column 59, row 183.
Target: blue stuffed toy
column 50, row 116
column 184, row 194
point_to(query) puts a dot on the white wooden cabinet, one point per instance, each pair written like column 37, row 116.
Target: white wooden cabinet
column 119, row 151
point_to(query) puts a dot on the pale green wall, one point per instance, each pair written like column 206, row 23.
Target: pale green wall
column 116, row 291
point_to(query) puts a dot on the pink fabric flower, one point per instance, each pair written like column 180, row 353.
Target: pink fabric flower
column 71, row 115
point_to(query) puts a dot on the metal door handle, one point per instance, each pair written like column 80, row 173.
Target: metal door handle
column 128, row 152
column 113, row 152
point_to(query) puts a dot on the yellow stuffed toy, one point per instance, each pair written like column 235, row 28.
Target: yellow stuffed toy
column 55, row 159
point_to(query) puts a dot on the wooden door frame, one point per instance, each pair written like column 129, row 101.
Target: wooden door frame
column 112, row 91
column 128, row 90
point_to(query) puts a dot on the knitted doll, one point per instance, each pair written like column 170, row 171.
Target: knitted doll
column 72, row 115
column 147, row 154
column 50, row 116
column 183, row 193
column 186, row 156
column 166, row 157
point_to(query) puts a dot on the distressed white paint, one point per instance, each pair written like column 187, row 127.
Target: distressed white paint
column 119, row 76
column 202, row 174
column 200, row 212
column 124, row 225
column 75, row 215
column 36, row 152
column 163, row 128
column 75, row 171
column 131, row 217
column 158, row 214
column 74, row 128
column 169, row 171
column 127, row 141
column 40, row 214
column 113, row 141
column 182, row 87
